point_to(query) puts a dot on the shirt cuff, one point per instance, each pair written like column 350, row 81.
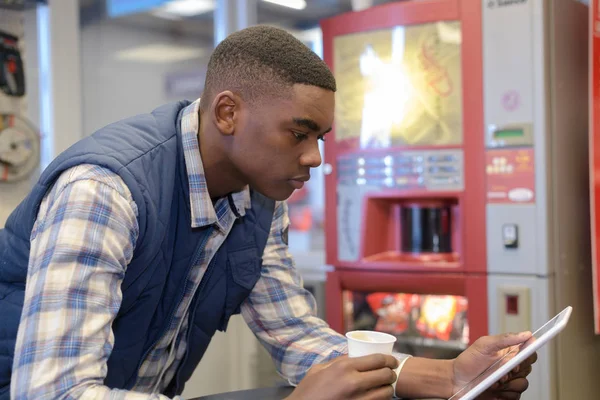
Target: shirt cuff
column 402, row 358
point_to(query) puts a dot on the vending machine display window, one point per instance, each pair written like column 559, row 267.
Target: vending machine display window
column 432, row 326
column 400, row 86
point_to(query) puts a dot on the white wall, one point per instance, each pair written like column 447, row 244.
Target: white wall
column 22, row 25
column 114, row 89
column 56, row 109
column 94, row 88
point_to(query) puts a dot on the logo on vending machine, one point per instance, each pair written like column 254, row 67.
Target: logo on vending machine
column 511, row 100
column 504, row 3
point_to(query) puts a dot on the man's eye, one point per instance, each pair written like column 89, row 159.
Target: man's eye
column 299, row 135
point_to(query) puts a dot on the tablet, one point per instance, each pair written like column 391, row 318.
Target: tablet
column 514, row 357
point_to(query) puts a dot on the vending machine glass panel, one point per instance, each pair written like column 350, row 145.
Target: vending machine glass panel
column 399, row 86
column 433, row 326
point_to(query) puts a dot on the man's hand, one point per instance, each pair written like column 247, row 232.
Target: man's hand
column 365, row 378
column 483, row 353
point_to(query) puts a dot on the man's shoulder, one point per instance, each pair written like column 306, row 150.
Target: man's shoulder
column 95, row 173
column 129, row 139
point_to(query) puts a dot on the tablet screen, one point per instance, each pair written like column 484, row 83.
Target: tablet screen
column 509, row 355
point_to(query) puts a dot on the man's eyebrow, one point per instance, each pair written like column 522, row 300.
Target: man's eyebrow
column 310, row 124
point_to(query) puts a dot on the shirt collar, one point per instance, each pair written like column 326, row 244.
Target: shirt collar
column 201, row 206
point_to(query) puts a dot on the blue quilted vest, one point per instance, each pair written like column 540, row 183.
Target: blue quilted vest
column 146, row 152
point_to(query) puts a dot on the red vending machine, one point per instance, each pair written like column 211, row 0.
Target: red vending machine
column 405, row 74
column 457, row 177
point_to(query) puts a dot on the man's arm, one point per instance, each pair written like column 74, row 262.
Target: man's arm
column 283, row 315
column 81, row 244
column 425, row 378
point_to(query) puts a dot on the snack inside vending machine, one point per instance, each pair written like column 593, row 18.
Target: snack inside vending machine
column 456, row 179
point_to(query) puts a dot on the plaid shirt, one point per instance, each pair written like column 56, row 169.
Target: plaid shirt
column 83, row 240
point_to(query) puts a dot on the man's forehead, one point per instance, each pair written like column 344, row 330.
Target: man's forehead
column 308, row 106
column 312, row 92
column 312, row 97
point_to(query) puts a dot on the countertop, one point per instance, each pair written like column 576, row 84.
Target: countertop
column 273, row 393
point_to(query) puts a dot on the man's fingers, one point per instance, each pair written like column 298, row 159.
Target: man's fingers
column 524, row 369
column 531, row 359
column 373, row 379
column 518, row 385
column 523, row 372
column 490, row 345
column 372, row 362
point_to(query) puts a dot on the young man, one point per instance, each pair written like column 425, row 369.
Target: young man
column 142, row 240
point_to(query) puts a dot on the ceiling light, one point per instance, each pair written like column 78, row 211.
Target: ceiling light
column 184, row 8
column 160, row 53
column 160, row 13
column 295, row 4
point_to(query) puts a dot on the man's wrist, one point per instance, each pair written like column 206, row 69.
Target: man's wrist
column 425, row 378
column 402, row 358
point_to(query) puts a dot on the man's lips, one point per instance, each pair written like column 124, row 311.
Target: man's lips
column 298, row 181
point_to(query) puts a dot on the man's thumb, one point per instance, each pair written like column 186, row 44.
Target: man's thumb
column 493, row 344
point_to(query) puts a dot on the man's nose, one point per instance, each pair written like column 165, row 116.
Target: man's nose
column 312, row 156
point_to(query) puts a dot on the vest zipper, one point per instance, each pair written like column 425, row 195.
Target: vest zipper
column 182, row 293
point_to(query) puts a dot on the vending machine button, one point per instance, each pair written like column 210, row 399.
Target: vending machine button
column 510, row 236
column 512, row 305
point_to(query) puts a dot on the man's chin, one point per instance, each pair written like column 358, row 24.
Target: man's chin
column 276, row 194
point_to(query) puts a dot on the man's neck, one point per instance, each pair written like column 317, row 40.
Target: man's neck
column 219, row 181
column 221, row 176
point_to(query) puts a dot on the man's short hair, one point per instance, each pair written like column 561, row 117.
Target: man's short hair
column 263, row 60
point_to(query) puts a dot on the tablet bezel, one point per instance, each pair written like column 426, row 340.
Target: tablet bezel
column 563, row 318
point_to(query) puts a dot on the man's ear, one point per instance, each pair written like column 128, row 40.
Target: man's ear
column 225, row 110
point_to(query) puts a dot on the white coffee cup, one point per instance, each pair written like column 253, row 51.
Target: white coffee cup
column 364, row 343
